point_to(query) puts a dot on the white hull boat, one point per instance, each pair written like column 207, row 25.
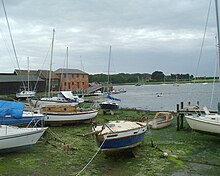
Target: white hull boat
column 207, row 123
column 65, row 114
column 13, row 138
column 25, row 94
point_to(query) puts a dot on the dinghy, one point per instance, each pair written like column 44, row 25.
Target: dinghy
column 161, row 120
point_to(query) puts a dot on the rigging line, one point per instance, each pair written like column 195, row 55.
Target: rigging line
column 38, row 78
column 213, row 83
column 12, row 42
column 62, row 74
column 203, row 39
column 7, row 47
column 215, row 73
column 218, row 32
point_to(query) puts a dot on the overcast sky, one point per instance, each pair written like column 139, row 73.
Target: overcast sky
column 145, row 35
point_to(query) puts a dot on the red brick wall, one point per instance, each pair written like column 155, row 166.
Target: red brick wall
column 74, row 82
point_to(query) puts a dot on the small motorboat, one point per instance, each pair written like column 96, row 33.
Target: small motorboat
column 119, row 135
column 159, row 94
column 161, row 120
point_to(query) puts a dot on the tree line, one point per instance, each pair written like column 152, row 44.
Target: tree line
column 119, row 78
column 157, row 76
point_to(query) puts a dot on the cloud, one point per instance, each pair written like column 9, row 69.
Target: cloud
column 145, row 35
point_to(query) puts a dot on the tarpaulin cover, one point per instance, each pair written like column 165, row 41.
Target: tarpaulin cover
column 10, row 108
column 112, row 98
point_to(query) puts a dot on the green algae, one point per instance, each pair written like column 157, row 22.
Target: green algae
column 68, row 151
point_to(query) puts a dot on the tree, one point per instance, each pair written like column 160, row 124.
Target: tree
column 157, row 76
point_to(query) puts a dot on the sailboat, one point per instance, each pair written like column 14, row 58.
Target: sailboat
column 110, row 104
column 119, row 135
column 138, row 83
column 176, row 83
column 208, row 122
column 52, row 100
column 14, row 113
column 13, row 138
column 24, row 94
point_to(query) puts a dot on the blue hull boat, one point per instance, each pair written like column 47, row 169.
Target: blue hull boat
column 108, row 105
column 12, row 113
column 119, row 135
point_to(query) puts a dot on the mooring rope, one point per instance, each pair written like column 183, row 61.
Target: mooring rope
column 55, row 135
column 91, row 159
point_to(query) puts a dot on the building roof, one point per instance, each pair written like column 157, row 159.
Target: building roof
column 70, row 71
column 25, row 72
column 18, row 78
column 44, row 74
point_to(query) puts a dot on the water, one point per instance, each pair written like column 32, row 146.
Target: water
column 144, row 97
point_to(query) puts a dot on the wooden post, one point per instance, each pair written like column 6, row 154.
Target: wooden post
column 181, row 119
column 189, row 103
column 178, row 124
column 181, row 105
column 181, row 116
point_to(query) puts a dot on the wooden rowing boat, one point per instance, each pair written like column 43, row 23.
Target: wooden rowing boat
column 161, row 120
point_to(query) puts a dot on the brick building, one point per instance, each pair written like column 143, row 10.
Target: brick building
column 73, row 79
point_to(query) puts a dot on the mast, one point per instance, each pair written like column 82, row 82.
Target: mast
column 51, row 58
column 109, row 58
column 13, row 45
column 67, row 57
column 28, row 74
column 218, row 32
column 67, row 68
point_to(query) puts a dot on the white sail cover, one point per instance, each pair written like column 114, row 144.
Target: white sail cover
column 67, row 94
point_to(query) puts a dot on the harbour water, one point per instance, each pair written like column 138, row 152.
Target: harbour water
column 145, row 97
